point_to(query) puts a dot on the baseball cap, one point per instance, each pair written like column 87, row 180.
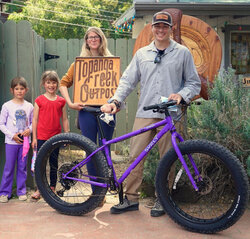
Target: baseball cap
column 163, row 17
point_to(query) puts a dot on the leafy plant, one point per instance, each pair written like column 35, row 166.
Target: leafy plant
column 224, row 118
column 69, row 19
column 149, row 172
column 248, row 166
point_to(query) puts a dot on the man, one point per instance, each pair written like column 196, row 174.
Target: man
column 163, row 68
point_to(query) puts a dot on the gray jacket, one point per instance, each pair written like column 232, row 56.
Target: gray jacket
column 176, row 73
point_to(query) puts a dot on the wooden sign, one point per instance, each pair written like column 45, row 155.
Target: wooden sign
column 246, row 81
column 95, row 79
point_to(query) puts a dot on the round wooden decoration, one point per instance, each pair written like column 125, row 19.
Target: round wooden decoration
column 203, row 43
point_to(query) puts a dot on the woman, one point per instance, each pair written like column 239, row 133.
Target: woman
column 95, row 44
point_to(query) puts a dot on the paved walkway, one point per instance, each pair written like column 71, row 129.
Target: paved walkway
column 36, row 220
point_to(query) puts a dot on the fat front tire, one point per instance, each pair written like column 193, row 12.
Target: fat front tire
column 59, row 155
column 223, row 191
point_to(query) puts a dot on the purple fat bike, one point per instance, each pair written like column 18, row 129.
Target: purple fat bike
column 189, row 180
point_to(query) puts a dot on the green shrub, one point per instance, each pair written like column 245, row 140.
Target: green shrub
column 224, row 118
column 248, row 166
column 150, row 166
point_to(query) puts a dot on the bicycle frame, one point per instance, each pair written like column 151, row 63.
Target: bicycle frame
column 168, row 126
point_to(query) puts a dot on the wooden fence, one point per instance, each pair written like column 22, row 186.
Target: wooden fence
column 19, row 56
column 22, row 53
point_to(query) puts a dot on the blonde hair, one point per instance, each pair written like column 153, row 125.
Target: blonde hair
column 49, row 75
column 102, row 50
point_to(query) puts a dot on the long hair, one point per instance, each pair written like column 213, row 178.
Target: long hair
column 102, row 50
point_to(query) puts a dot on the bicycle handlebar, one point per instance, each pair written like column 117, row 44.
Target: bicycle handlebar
column 92, row 109
column 163, row 105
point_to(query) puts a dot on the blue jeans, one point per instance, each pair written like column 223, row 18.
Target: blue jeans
column 89, row 128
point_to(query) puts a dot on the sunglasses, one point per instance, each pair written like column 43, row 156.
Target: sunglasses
column 157, row 58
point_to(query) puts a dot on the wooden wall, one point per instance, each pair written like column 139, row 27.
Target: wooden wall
column 20, row 51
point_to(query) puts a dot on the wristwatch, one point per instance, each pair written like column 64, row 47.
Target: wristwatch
column 117, row 103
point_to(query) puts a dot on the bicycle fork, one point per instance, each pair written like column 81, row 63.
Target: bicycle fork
column 183, row 162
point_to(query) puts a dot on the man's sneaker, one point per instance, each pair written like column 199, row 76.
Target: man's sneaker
column 4, row 198
column 125, row 207
column 157, row 210
column 22, row 197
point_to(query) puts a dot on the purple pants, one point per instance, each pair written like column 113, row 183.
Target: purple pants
column 13, row 157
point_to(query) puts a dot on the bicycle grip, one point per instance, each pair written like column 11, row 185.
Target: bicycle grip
column 151, row 107
column 160, row 106
column 92, row 109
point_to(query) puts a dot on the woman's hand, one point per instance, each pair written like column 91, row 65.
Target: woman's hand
column 76, row 106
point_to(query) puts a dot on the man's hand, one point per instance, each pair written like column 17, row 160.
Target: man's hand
column 109, row 108
column 176, row 97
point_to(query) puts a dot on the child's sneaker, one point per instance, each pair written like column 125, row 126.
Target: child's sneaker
column 22, row 197
column 4, row 198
